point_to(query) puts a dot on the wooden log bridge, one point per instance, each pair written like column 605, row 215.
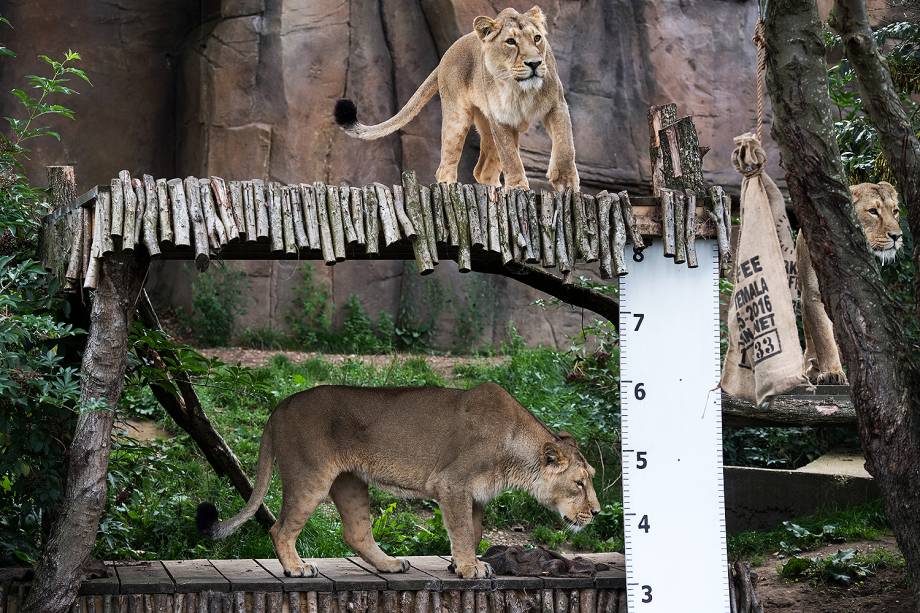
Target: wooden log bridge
column 345, row 585
column 477, row 226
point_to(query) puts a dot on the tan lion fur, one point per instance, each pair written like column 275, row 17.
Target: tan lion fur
column 877, row 211
column 484, row 80
column 459, row 447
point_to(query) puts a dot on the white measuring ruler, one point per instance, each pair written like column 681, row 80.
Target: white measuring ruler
column 673, row 496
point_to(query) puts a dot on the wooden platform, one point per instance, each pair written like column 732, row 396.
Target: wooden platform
column 345, row 585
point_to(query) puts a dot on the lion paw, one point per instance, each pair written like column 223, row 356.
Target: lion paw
column 832, row 377
column 301, row 570
column 477, row 570
column 562, row 178
column 393, row 565
column 521, row 183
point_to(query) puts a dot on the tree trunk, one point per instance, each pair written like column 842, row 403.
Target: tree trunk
column 185, row 409
column 883, row 377
column 59, row 571
column 888, row 115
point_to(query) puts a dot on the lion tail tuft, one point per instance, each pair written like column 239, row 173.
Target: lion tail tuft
column 346, row 113
column 205, row 518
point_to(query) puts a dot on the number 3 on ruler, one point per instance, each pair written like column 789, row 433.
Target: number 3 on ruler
column 646, row 593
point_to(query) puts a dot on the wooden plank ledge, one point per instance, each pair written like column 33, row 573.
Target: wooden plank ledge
column 825, row 405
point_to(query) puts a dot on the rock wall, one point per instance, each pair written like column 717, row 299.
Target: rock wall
column 245, row 88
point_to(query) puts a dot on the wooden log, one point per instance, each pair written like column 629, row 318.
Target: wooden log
column 437, row 212
column 574, row 601
column 371, row 219
column 629, row 218
column 310, row 602
column 514, row 227
column 216, row 233
column 562, row 244
column 463, row 230
column 87, row 240
column 681, row 157
column 356, row 204
column 690, row 229
column 389, row 601
column 618, row 244
column 275, row 602
column 406, row 602
column 117, row 210
column 249, row 211
column 497, row 601
column 450, row 213
column 164, row 224
column 413, row 208
column 104, row 203
column 287, row 220
column 547, row 602
column 424, row 194
column 482, row 206
column 225, row 212
column 310, row 215
column 680, row 223
column 91, row 278
column 141, row 195
column 275, row 219
column 588, row 599
column 263, row 227
column 590, row 203
column 531, row 251
column 504, row 226
column 199, row 228
column 399, row 203
column 533, row 221
column 325, row 232
column 235, row 190
column 658, row 118
column 324, row 603
column 719, row 213
column 492, row 220
column 422, row 598
column 297, row 217
column 151, row 216
column 580, row 223
column 388, row 221
column 477, row 239
column 666, row 199
column 604, row 204
column 74, row 271
column 562, row 601
column 548, row 229
column 129, row 211
column 180, row 213
column 568, row 223
column 348, row 224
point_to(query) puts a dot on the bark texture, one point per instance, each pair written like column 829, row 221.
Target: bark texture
column 59, row 571
column 883, row 376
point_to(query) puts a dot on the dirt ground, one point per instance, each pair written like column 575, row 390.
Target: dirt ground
column 255, row 358
column 885, row 592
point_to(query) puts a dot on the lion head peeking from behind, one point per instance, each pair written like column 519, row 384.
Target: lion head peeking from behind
column 878, row 213
column 514, row 46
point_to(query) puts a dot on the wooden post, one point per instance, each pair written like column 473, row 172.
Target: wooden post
column 399, row 204
column 129, row 211
column 297, row 217
column 437, row 212
column 531, row 249
column 151, row 217
column 310, row 215
column 680, row 227
column 348, row 224
column 658, row 118
column 562, row 243
column 492, row 220
column 387, row 211
column 249, row 211
column 413, row 206
column 667, row 221
column 371, row 217
column 287, row 220
column 70, row 542
column 180, row 214
column 428, row 220
column 199, row 228
column 216, row 232
column 619, row 237
column 117, row 217
column 472, row 208
column 514, row 226
column 629, row 218
column 325, row 232
column 141, row 196
column 463, row 231
column 262, row 224
column 581, row 248
column 236, row 203
column 680, row 154
column 357, row 213
column 74, row 271
column 451, row 214
column 275, row 221
column 224, row 208
column 590, row 204
column 504, row 243
column 548, row 228
column 690, row 229
column 604, row 201
column 166, row 232
column 719, row 211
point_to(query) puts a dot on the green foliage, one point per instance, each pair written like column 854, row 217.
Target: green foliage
column 310, row 318
column 217, row 300
column 863, row 522
column 845, row 567
column 39, row 384
column 404, row 534
column 782, row 447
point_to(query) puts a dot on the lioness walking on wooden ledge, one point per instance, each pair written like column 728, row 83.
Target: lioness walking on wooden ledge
column 501, row 78
column 460, row 447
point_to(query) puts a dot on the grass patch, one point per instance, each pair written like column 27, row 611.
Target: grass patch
column 846, row 567
column 863, row 522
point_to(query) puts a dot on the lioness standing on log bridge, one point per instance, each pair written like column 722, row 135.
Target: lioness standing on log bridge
column 501, row 78
column 460, row 447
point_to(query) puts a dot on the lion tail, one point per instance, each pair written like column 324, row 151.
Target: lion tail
column 346, row 113
column 207, row 512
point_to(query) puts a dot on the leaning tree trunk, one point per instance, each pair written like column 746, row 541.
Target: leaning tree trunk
column 883, row 377
column 899, row 143
column 59, row 571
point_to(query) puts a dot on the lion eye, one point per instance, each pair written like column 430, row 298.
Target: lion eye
column 510, row 41
column 580, row 484
column 537, row 38
column 873, row 212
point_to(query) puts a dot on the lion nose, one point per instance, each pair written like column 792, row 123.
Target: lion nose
column 534, row 64
column 595, row 512
column 895, row 236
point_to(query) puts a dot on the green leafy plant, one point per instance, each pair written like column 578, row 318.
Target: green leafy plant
column 217, row 300
column 845, row 567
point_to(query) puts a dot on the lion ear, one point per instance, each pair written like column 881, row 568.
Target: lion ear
column 554, row 458
column 536, row 14
column 889, row 188
column 484, row 26
column 565, row 437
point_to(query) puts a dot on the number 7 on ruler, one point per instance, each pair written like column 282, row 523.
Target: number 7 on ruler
column 673, row 500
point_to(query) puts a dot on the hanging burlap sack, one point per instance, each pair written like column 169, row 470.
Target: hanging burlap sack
column 764, row 356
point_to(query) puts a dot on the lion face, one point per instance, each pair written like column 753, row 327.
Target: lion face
column 514, row 46
column 565, row 483
column 878, row 213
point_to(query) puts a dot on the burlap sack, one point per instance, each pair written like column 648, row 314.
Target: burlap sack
column 764, row 355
